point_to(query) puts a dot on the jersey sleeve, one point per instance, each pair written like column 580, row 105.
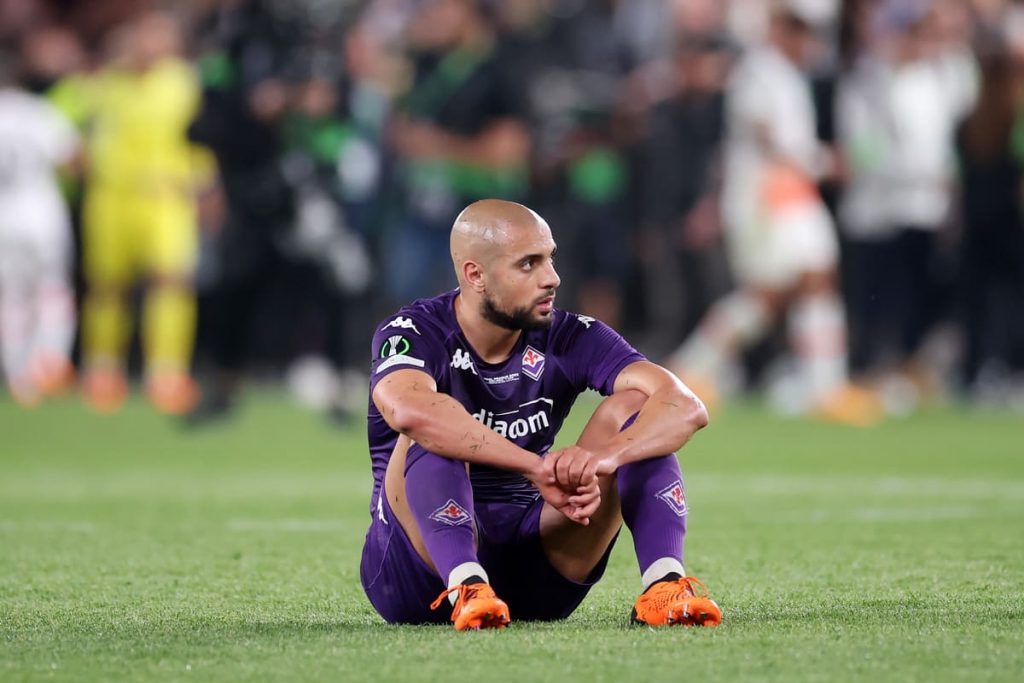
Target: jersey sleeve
column 594, row 354
column 405, row 342
column 55, row 134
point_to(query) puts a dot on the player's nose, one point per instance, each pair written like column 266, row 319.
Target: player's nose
column 550, row 279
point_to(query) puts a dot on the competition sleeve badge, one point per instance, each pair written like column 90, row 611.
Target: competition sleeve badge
column 395, row 345
column 533, row 363
column 395, row 351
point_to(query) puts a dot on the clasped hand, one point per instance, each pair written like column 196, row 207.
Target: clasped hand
column 568, row 479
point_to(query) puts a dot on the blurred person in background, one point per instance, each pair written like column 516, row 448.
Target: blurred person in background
column 140, row 216
column 780, row 238
column 55, row 64
column 680, row 177
column 333, row 164
column 299, row 177
column 897, row 114
column 244, row 97
column 37, row 312
column 990, row 143
column 458, row 135
column 572, row 62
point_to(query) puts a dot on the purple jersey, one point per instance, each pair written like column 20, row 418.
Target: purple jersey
column 525, row 398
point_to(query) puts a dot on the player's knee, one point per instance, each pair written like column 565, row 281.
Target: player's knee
column 103, row 290
column 618, row 408
column 170, row 280
column 817, row 282
column 417, row 454
column 770, row 301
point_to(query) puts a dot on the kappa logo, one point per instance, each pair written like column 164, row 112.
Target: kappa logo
column 533, row 363
column 586, row 320
column 675, row 497
column 403, row 323
column 380, row 509
column 451, row 513
column 461, row 360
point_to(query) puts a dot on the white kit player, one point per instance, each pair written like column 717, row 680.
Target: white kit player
column 780, row 238
column 37, row 318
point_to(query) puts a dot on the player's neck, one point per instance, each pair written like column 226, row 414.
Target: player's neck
column 493, row 344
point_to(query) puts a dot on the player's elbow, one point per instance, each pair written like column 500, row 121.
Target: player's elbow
column 698, row 416
column 695, row 413
column 402, row 408
column 405, row 418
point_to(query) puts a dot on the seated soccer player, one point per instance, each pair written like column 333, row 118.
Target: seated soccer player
column 469, row 389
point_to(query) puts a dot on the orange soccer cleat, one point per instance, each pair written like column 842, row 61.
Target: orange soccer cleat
column 850, row 405
column 172, row 393
column 24, row 393
column 676, row 603
column 477, row 607
column 104, row 389
column 53, row 374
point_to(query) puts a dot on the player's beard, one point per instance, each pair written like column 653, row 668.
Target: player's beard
column 516, row 319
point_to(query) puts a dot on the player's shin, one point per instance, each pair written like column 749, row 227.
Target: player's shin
column 441, row 500
column 56, row 330
column 16, row 345
column 654, row 509
column 170, row 321
column 818, row 332
column 105, row 327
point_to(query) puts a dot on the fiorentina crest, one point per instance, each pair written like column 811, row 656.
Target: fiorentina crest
column 675, row 497
column 533, row 363
column 451, row 513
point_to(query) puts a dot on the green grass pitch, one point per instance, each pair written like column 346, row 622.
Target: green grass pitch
column 130, row 550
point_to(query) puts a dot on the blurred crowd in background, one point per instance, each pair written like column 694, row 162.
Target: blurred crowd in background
column 203, row 192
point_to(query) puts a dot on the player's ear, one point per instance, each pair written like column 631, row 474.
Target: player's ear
column 473, row 275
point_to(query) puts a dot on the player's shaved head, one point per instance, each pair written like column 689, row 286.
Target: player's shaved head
column 483, row 229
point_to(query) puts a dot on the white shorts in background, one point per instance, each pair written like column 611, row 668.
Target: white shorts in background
column 35, row 240
column 774, row 251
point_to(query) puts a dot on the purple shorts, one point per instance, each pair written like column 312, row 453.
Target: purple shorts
column 401, row 586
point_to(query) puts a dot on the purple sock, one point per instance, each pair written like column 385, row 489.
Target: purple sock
column 441, row 499
column 654, row 507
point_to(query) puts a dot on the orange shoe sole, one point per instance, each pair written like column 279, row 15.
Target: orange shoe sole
column 489, row 619
column 104, row 392
column 696, row 612
column 54, row 376
column 176, row 395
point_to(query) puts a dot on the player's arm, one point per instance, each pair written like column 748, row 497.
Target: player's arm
column 410, row 403
column 667, row 420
